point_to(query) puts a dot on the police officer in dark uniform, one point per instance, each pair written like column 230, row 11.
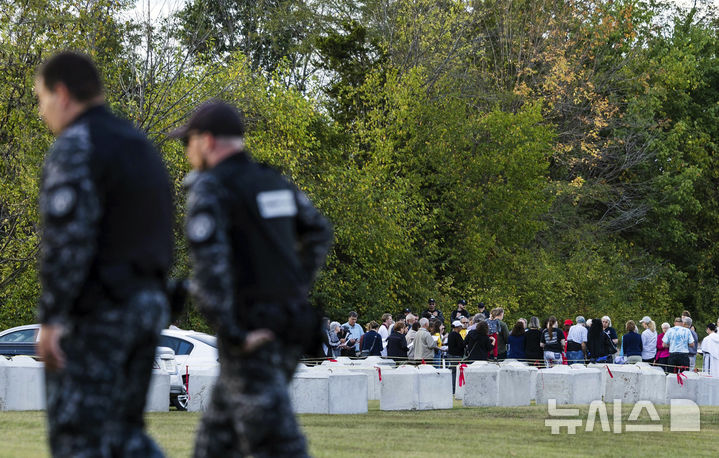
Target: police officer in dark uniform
column 256, row 242
column 106, row 207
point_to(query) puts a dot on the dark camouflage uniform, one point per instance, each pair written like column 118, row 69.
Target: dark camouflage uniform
column 250, row 412
column 95, row 404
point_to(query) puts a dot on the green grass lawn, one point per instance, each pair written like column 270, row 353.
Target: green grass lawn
column 518, row 431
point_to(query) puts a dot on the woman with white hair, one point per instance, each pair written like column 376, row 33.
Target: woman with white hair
column 609, row 330
column 334, row 339
column 662, row 358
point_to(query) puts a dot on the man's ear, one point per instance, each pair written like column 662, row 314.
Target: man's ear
column 208, row 142
column 62, row 93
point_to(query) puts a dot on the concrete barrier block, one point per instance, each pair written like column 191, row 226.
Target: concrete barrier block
column 708, row 390
column 686, row 388
column 158, row 393
column 568, row 386
column 514, row 386
column 399, row 389
column 652, row 384
column 623, row 383
column 482, row 385
column 586, row 385
column 309, row 392
column 459, row 390
column 532, row 377
column 329, row 390
column 22, row 384
column 341, row 360
column 374, row 386
column 375, row 361
column 434, row 388
column 201, row 384
column 347, row 393
column 604, row 370
column 555, row 383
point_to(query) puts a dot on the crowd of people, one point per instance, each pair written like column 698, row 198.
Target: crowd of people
column 486, row 337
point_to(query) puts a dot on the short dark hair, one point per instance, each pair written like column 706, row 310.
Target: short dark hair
column 483, row 328
column 76, row 71
column 352, row 315
column 518, row 329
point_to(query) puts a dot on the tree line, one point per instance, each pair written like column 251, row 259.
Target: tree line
column 546, row 156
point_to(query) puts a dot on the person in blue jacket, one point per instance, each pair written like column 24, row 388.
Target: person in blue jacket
column 632, row 343
column 516, row 341
column 371, row 341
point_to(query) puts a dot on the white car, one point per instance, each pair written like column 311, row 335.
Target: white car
column 193, row 350
column 22, row 340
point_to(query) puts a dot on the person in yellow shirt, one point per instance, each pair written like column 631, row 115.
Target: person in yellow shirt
column 436, row 327
column 465, row 323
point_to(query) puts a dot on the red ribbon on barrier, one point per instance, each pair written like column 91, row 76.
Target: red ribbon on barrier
column 609, row 370
column 332, row 360
column 461, row 374
column 379, row 372
column 423, row 362
column 679, row 378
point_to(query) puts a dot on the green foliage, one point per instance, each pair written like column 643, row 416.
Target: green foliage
column 547, row 157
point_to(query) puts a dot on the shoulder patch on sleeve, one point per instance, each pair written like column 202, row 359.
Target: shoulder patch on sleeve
column 201, row 227
column 277, row 204
column 62, row 201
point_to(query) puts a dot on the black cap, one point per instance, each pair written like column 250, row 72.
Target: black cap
column 481, row 305
column 462, row 301
column 430, row 301
column 407, row 311
column 215, row 117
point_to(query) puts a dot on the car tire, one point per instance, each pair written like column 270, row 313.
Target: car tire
column 180, row 401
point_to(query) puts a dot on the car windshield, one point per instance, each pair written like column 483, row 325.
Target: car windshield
column 204, row 338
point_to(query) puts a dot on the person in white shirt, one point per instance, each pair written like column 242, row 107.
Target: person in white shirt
column 710, row 350
column 649, row 340
column 577, row 342
column 354, row 334
column 385, row 330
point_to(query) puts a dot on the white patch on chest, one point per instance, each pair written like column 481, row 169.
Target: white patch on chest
column 277, row 204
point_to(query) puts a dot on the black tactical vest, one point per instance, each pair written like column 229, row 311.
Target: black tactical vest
column 135, row 231
column 263, row 232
